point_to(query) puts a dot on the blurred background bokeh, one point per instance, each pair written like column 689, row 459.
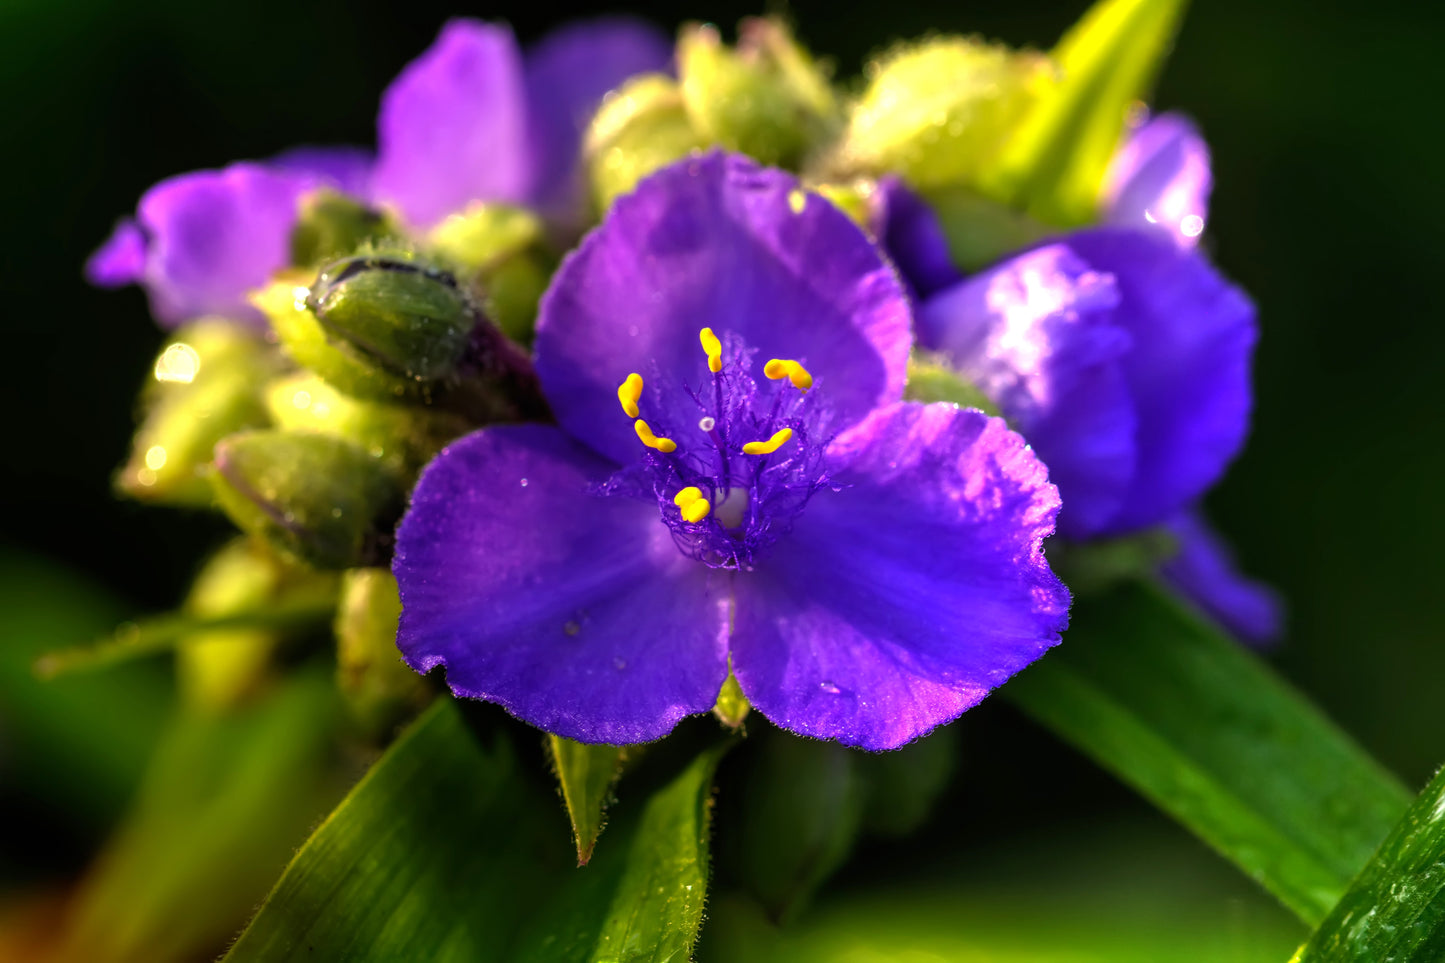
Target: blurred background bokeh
column 1323, row 118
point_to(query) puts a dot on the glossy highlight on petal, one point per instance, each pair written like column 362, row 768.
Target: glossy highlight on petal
column 1160, row 180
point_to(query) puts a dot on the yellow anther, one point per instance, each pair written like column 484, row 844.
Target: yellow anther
column 794, row 372
column 663, row 445
column 696, row 510
column 779, row 439
column 713, row 347
column 629, row 392
column 689, row 494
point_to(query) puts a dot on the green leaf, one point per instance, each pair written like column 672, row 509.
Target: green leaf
column 224, row 803
column 447, row 851
column 1395, row 909
column 1210, row 734
column 1054, row 163
column 586, row 775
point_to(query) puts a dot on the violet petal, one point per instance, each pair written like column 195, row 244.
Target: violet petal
column 575, row 612
column 453, row 126
column 1160, row 180
column 913, row 237
column 1205, row 573
column 567, row 73
column 899, row 601
column 717, row 241
column 344, row 168
column 1036, row 334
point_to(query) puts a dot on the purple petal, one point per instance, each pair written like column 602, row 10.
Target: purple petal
column 573, row 611
column 347, row 169
column 452, row 127
column 120, row 260
column 567, row 73
column 1188, row 371
column 216, row 235
column 1160, row 180
column 913, row 237
column 1036, row 334
column 1204, row 572
column 901, row 600
column 715, row 241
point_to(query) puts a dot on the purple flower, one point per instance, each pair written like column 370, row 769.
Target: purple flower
column 1204, row 571
column 1123, row 359
column 1160, row 180
column 200, row 241
column 468, row 120
column 733, row 481
column 471, row 119
column 913, row 236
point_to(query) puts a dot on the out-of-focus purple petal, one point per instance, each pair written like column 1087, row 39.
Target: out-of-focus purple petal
column 902, row 599
column 913, row 237
column 345, row 168
column 1193, row 336
column 717, row 241
column 1036, row 335
column 121, row 259
column 453, row 126
column 1160, row 180
column 1204, row 571
column 575, row 612
column 567, row 73
column 212, row 236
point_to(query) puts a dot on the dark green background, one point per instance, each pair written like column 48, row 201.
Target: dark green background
column 1324, row 119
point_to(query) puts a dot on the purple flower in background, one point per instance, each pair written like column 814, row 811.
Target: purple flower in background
column 469, row 120
column 1123, row 359
column 1204, row 571
column 911, row 233
column 200, row 241
column 734, row 481
column 1160, row 180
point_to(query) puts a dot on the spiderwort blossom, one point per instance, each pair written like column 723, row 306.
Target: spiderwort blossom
column 1160, row 180
column 733, row 480
column 470, row 120
column 1123, row 359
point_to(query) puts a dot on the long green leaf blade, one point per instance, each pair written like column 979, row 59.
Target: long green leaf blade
column 1395, row 910
column 1210, row 734
column 447, row 851
column 1055, row 162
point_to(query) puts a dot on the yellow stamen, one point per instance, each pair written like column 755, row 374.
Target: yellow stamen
column 713, row 347
column 779, row 439
column 696, row 510
column 629, row 392
column 663, row 445
column 689, row 494
column 794, row 372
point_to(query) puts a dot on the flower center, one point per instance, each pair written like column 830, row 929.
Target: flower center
column 731, row 461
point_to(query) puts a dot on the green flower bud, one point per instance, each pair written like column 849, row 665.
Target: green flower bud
column 499, row 250
column 331, row 225
column 980, row 231
column 219, row 669
column 402, row 438
column 640, row 127
column 315, row 498
column 394, row 328
column 206, row 384
column 853, row 197
column 379, row 688
column 938, row 112
column 768, row 98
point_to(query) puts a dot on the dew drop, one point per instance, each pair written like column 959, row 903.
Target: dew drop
column 829, row 688
column 1192, row 225
column 707, row 423
column 524, row 483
